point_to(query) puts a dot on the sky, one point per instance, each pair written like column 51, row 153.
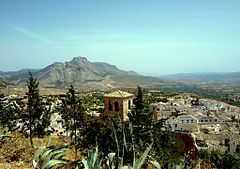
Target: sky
column 151, row 37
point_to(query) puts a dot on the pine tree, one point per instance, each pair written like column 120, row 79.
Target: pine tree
column 36, row 117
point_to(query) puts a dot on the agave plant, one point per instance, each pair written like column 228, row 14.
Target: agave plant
column 48, row 156
column 136, row 163
column 93, row 161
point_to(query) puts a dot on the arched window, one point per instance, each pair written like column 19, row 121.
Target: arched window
column 110, row 107
column 129, row 104
column 116, row 106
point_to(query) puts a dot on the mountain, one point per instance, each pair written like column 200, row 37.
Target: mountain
column 17, row 76
column 80, row 72
column 233, row 77
column 87, row 76
column 112, row 69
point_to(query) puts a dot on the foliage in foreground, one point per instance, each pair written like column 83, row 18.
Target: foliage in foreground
column 220, row 159
column 48, row 156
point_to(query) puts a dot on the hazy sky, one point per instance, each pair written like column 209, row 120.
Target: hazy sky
column 148, row 36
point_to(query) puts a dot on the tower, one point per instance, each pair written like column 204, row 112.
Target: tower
column 118, row 102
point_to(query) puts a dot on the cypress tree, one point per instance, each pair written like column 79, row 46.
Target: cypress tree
column 36, row 117
column 142, row 120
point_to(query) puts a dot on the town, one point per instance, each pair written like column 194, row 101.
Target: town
column 210, row 122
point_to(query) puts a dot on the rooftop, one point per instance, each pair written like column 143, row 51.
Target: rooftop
column 119, row 93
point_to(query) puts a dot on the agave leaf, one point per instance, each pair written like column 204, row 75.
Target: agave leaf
column 122, row 156
column 51, row 154
column 85, row 163
column 60, row 147
column 134, row 156
column 157, row 165
column 116, row 140
column 124, row 138
column 46, row 153
column 51, row 163
column 110, row 159
column 126, row 167
column 98, row 164
column 2, row 131
column 111, row 156
column 143, row 157
column 48, row 141
column 178, row 167
column 131, row 128
column 58, row 156
column 5, row 136
column 97, row 159
column 38, row 152
column 94, row 156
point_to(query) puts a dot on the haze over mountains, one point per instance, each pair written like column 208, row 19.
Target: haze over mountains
column 223, row 77
column 87, row 75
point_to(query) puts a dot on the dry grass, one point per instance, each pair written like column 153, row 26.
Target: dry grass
column 16, row 152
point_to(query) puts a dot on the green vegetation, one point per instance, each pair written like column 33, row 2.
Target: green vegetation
column 72, row 113
column 141, row 118
column 48, row 156
column 36, row 117
column 219, row 159
column 103, row 140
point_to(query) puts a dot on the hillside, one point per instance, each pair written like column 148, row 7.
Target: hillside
column 17, row 76
column 112, row 69
column 79, row 72
column 233, row 77
column 3, row 83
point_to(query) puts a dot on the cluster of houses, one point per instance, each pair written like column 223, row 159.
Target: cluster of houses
column 210, row 122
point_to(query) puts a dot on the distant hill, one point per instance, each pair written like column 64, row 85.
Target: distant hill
column 17, row 76
column 112, row 69
column 233, row 77
column 3, row 83
column 79, row 72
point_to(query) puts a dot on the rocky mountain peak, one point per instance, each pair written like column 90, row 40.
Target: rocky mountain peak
column 80, row 58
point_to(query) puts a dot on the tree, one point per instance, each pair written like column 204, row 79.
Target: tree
column 35, row 118
column 72, row 113
column 142, row 119
column 9, row 114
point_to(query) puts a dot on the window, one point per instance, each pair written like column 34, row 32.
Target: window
column 116, row 106
column 129, row 104
column 110, row 108
column 192, row 121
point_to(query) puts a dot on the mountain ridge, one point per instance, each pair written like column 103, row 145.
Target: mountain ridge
column 78, row 71
column 224, row 77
